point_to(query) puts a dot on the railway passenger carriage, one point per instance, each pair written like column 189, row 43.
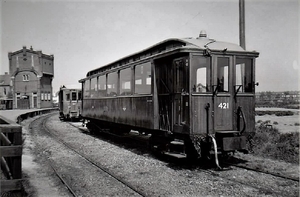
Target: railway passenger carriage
column 190, row 94
column 69, row 103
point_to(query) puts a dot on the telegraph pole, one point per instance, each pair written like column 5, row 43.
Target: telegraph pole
column 242, row 23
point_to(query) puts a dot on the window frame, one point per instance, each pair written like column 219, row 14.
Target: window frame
column 144, row 81
column 115, row 83
column 102, row 92
column 247, row 69
column 221, row 89
column 121, row 89
column 86, row 88
column 194, row 68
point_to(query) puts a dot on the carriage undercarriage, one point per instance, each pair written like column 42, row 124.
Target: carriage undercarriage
column 191, row 147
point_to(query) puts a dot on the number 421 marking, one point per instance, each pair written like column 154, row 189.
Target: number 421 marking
column 224, row 105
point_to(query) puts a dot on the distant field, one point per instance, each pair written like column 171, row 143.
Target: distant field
column 284, row 124
column 275, row 109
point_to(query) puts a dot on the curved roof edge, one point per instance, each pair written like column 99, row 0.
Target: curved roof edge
column 200, row 43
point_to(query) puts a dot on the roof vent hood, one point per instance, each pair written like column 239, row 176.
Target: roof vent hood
column 202, row 34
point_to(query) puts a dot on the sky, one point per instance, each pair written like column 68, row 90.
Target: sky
column 84, row 35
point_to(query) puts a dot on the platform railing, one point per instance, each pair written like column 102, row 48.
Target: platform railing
column 31, row 114
column 11, row 155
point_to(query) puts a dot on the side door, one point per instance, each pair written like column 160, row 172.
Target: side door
column 181, row 92
column 222, row 93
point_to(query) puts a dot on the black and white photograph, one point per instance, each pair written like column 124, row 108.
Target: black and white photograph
column 151, row 98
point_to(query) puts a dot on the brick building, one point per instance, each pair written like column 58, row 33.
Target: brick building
column 6, row 97
column 31, row 74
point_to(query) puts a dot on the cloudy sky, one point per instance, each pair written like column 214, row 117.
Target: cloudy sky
column 84, row 35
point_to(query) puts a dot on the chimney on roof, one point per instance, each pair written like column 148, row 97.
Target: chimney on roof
column 31, row 49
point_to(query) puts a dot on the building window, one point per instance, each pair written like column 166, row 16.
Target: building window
column 18, row 96
column 25, row 77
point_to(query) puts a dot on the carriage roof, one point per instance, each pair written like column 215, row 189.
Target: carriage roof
column 200, row 43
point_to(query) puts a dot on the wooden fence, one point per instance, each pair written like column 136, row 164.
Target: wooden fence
column 11, row 155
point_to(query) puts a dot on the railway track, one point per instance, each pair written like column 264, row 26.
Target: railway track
column 142, row 140
column 242, row 166
column 49, row 132
column 234, row 177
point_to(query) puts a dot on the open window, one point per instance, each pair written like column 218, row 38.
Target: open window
column 223, row 74
column 244, row 75
column 201, row 78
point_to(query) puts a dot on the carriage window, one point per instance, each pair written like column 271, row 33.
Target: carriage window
column 201, row 80
column 67, row 96
column 125, row 81
column 79, row 95
column 244, row 75
column 222, row 74
column 143, row 79
column 74, row 96
column 102, row 85
column 93, row 92
column 86, row 91
column 201, row 77
column 112, row 81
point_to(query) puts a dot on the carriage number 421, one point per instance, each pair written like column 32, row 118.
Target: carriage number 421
column 224, row 105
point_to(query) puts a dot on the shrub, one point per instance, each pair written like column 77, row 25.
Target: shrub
column 268, row 142
column 277, row 113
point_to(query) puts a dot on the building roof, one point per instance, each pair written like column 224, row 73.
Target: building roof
column 25, row 50
column 5, row 80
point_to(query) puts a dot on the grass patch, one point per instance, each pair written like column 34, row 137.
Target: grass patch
column 269, row 142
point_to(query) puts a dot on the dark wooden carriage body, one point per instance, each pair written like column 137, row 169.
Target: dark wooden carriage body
column 69, row 103
column 188, row 88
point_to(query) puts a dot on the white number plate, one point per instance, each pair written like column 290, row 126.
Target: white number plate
column 224, row 105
